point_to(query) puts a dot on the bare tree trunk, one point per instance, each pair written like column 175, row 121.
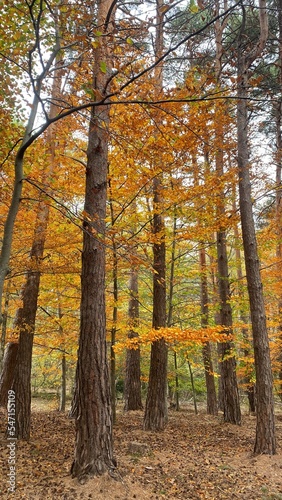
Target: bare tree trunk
column 227, row 365
column 156, row 403
column 132, row 389
column 231, row 403
column 265, row 430
column 4, row 328
column 94, row 444
column 63, row 388
column 212, row 408
column 248, row 377
column 8, row 369
column 113, row 331
column 155, row 416
column 170, row 305
column 62, row 406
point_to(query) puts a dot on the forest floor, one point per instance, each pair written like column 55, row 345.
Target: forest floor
column 197, row 457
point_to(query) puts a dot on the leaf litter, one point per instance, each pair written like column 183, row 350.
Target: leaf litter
column 197, row 457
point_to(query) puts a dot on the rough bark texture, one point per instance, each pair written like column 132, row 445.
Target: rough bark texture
column 156, row 403
column 265, row 433
column 4, row 327
column 7, row 374
column 248, row 376
column 63, row 391
column 25, row 324
column 212, row 408
column 132, row 390
column 230, row 393
column 113, row 331
column 170, row 309
column 265, row 430
column 155, row 416
column 93, row 448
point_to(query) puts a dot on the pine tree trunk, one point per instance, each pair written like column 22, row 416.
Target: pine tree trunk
column 265, row 430
column 231, row 402
column 4, row 329
column 8, row 370
column 94, row 446
column 93, row 450
column 248, row 376
column 62, row 406
column 212, row 408
column 156, row 403
column 132, row 389
column 113, row 331
column 227, row 365
column 155, row 416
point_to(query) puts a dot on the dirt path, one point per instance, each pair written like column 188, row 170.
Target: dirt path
column 195, row 458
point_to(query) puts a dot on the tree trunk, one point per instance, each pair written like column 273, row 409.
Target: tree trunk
column 265, row 430
column 62, row 406
column 193, row 387
column 227, row 362
column 170, row 304
column 94, row 447
column 206, row 350
column 132, row 390
column 8, row 369
column 156, row 403
column 113, row 331
column 4, row 328
column 248, row 376
column 230, row 393
column 155, row 416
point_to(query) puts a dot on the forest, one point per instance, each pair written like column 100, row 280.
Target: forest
column 141, row 246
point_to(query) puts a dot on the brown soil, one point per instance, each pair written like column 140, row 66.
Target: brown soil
column 195, row 458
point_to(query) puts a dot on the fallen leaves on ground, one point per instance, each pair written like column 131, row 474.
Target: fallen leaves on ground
column 197, row 457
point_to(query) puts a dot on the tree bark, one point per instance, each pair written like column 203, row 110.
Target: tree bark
column 212, row 408
column 94, row 446
column 155, row 416
column 227, row 365
column 230, row 393
column 156, row 403
column 8, row 369
column 265, row 429
column 248, row 376
column 62, row 406
column 4, row 328
column 132, row 390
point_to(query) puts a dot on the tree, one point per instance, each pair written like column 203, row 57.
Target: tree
column 156, row 403
column 212, row 408
column 94, row 446
column 265, row 430
column 132, row 389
